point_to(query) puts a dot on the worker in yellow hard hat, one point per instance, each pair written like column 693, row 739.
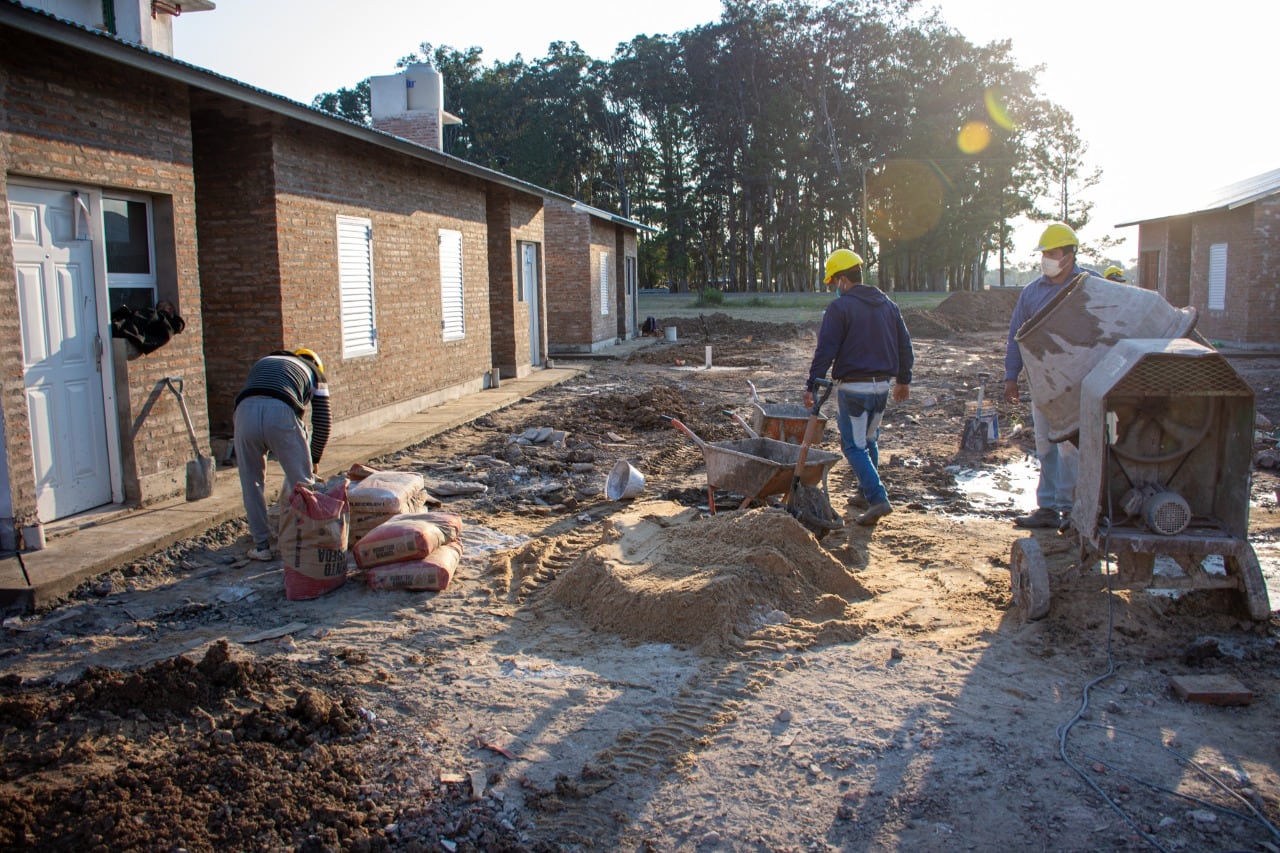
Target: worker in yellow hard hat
column 268, row 417
column 865, row 344
column 1113, row 273
column 1058, row 461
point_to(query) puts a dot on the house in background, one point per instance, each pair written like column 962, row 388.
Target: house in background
column 1223, row 259
column 129, row 177
column 590, row 254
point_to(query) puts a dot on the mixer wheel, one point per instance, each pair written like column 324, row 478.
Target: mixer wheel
column 1253, row 586
column 1029, row 579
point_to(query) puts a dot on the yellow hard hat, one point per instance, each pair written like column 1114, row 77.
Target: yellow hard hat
column 1114, row 273
column 310, row 356
column 839, row 261
column 1056, row 236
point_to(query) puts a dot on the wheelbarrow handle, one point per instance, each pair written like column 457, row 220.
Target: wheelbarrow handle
column 684, row 429
column 740, row 422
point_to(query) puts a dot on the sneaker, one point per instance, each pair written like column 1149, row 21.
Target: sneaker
column 260, row 554
column 1042, row 517
column 874, row 513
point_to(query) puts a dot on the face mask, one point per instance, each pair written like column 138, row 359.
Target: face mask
column 1050, row 267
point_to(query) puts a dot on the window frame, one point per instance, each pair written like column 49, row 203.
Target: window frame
column 119, row 281
column 604, row 284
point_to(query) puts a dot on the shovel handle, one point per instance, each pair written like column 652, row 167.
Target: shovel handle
column 175, row 385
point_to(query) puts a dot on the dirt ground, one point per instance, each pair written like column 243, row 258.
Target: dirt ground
column 642, row 675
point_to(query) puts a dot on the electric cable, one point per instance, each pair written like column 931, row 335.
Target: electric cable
column 1065, row 729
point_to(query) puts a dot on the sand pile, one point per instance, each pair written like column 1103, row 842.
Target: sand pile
column 669, row 576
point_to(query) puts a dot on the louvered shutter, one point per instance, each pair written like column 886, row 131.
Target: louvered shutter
column 452, row 318
column 604, row 284
column 355, row 277
column 1218, row 277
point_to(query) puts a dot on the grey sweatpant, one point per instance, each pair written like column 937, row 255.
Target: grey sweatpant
column 262, row 424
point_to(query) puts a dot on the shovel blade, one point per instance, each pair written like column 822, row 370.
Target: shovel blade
column 200, row 478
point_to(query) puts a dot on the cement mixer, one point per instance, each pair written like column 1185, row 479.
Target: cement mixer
column 1164, row 426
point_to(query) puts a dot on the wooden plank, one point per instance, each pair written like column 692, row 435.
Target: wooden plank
column 1211, row 689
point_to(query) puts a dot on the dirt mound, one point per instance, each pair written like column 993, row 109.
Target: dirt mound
column 972, row 311
column 704, row 582
column 163, row 757
column 926, row 324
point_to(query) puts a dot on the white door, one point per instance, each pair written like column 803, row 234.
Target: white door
column 529, row 292
column 61, row 350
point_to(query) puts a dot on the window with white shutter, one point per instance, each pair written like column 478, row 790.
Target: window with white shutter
column 1218, row 277
column 452, row 318
column 604, row 284
column 355, row 278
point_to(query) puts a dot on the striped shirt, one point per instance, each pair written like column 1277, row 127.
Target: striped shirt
column 294, row 382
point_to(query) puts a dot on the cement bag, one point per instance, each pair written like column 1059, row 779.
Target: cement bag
column 381, row 495
column 429, row 574
column 408, row 536
column 313, row 542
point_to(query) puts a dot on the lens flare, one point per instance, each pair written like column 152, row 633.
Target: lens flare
column 974, row 137
column 996, row 110
column 904, row 200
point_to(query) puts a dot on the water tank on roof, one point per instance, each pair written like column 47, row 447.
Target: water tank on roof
column 424, row 87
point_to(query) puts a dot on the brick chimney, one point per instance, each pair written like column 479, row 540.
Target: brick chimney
column 411, row 105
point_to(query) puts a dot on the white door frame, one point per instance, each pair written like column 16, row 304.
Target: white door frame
column 92, row 196
column 531, row 290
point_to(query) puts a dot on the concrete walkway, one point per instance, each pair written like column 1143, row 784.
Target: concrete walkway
column 90, row 544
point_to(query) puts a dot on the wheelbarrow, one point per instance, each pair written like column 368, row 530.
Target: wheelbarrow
column 780, row 421
column 756, row 467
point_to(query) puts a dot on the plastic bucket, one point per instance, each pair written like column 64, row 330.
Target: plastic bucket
column 670, row 332
column 1068, row 337
column 624, row 482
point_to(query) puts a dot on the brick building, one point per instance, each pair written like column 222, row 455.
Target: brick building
column 1223, row 259
column 131, row 179
column 591, row 266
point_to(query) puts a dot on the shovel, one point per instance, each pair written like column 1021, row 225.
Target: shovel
column 199, row 470
column 809, row 504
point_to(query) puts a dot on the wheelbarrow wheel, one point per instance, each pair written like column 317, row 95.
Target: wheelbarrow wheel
column 1029, row 579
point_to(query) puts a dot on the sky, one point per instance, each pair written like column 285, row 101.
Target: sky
column 1172, row 103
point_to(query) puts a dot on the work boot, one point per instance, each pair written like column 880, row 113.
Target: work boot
column 1043, row 517
column 858, row 500
column 874, row 513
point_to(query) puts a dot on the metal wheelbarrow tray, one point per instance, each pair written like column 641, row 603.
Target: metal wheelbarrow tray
column 757, row 467
column 782, row 421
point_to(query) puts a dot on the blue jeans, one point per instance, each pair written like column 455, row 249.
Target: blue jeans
column 862, row 406
column 1059, row 466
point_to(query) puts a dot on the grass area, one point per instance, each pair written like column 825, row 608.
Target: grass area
column 767, row 307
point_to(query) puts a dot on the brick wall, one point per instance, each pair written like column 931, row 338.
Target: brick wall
column 513, row 218
column 276, row 190
column 239, row 267
column 1235, row 228
column 575, row 242
column 1264, row 290
column 571, row 300
column 69, row 118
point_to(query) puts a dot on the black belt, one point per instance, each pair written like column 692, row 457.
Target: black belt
column 864, row 378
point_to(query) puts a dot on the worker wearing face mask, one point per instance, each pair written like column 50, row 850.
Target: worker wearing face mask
column 1058, row 460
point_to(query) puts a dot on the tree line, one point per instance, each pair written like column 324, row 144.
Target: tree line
column 759, row 142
